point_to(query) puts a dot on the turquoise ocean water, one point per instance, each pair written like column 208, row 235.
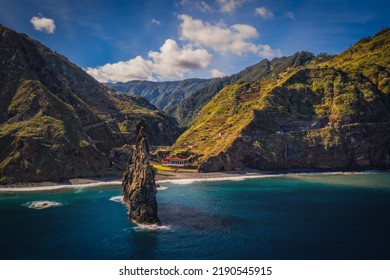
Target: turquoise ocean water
column 334, row 216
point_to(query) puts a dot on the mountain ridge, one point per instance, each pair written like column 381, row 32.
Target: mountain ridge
column 57, row 122
column 328, row 114
column 183, row 99
column 163, row 95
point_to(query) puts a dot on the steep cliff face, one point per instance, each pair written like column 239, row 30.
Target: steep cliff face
column 187, row 111
column 349, row 147
column 331, row 114
column 139, row 186
column 184, row 99
column 57, row 122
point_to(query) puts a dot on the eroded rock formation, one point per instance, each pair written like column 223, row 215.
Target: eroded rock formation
column 139, row 186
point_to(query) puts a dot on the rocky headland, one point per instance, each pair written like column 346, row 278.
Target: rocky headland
column 139, row 185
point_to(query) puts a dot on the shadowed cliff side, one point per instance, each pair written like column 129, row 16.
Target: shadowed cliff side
column 57, row 122
column 139, row 186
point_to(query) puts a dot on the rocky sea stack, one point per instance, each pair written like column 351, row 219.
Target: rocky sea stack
column 139, row 186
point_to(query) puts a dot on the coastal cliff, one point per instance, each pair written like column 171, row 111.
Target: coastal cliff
column 57, row 122
column 331, row 114
column 139, row 186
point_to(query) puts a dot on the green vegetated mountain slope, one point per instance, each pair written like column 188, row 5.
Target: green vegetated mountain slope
column 58, row 122
column 188, row 109
column 333, row 113
column 164, row 95
column 184, row 99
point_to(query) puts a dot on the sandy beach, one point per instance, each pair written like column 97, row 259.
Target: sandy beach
column 162, row 177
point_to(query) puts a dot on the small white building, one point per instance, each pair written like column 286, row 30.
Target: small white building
column 169, row 161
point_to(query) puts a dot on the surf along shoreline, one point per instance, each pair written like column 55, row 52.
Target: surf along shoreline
column 179, row 178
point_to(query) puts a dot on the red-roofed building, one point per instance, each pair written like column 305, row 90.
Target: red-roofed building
column 174, row 161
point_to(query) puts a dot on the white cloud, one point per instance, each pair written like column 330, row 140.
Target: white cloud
column 264, row 13
column 43, row 24
column 204, row 7
column 233, row 39
column 217, row 37
column 185, row 2
column 215, row 73
column 267, row 52
column 155, row 21
column 123, row 71
column 228, row 6
column 289, row 15
column 170, row 62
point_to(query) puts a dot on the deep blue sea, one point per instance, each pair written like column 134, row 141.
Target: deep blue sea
column 334, row 216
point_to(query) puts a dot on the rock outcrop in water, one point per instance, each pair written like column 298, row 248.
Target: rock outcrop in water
column 139, row 186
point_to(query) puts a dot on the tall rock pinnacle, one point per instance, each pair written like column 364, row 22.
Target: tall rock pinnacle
column 139, row 186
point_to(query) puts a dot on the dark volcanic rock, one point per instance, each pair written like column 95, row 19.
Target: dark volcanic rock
column 139, row 186
column 322, row 116
column 57, row 122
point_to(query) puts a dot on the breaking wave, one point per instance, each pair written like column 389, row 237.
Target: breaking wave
column 140, row 227
column 43, row 204
column 59, row 187
column 256, row 176
column 117, row 198
column 191, row 181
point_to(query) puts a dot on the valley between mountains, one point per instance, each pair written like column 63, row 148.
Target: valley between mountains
column 324, row 112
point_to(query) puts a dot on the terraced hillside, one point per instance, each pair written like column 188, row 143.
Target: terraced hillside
column 184, row 99
column 333, row 113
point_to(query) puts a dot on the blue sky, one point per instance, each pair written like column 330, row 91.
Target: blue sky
column 172, row 40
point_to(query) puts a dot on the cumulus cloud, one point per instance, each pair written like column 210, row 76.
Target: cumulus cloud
column 217, row 37
column 229, row 6
column 289, row 15
column 43, row 24
column 215, row 73
column 264, row 13
column 267, row 52
column 155, row 21
column 123, row 71
column 170, row 62
column 233, row 39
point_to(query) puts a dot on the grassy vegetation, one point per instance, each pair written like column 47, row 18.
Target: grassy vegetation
column 218, row 124
column 265, row 70
column 370, row 57
column 160, row 167
column 58, row 122
column 351, row 87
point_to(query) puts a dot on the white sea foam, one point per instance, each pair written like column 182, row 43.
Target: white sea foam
column 180, row 181
column 140, row 227
column 162, row 188
column 117, row 199
column 233, row 178
column 58, row 187
column 43, row 204
column 255, row 176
